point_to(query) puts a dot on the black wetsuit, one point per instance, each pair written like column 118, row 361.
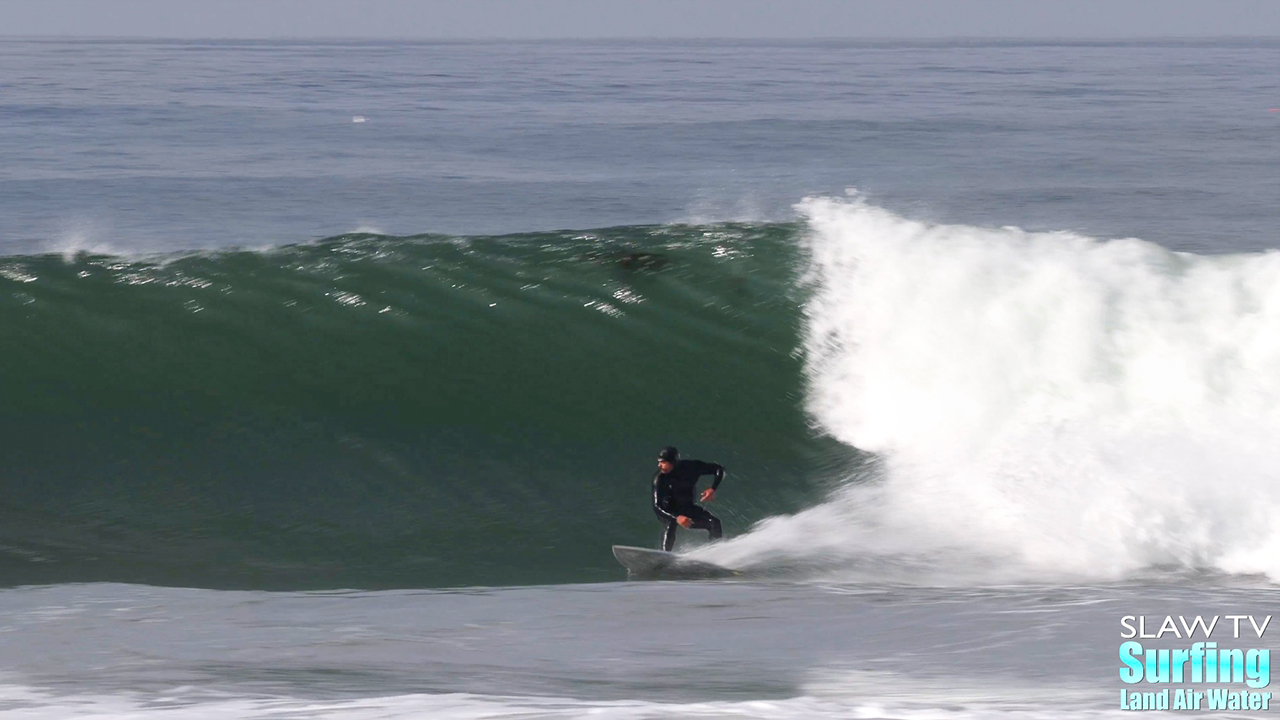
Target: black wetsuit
column 673, row 496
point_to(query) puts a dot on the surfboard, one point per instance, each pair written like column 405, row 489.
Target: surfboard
column 659, row 564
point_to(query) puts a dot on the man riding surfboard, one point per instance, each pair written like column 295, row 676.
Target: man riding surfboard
column 673, row 486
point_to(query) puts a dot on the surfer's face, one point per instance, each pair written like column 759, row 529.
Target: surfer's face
column 666, row 466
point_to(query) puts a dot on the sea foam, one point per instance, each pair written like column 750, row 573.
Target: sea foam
column 1042, row 405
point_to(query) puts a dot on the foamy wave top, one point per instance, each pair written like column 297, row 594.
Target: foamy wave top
column 1045, row 404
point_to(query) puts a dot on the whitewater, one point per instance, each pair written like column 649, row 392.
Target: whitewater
column 1043, row 405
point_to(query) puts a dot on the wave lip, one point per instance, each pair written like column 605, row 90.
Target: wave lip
column 1044, row 405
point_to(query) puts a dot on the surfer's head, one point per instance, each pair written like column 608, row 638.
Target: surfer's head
column 667, row 458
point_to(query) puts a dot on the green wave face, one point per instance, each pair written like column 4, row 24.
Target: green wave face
column 372, row 411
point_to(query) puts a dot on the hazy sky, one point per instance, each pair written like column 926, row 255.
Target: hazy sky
column 640, row 18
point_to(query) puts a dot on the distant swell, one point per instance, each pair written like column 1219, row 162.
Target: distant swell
column 1044, row 406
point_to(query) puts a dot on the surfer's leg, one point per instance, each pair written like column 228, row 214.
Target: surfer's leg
column 668, row 531
column 713, row 526
column 668, row 535
column 704, row 520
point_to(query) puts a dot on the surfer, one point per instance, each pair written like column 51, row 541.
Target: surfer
column 673, row 486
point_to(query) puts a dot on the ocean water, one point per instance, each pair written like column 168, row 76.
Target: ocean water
column 330, row 371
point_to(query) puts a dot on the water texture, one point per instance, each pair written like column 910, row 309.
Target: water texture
column 329, row 371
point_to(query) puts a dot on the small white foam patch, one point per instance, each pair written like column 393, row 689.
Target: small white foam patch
column 746, row 209
column 1044, row 404
column 79, row 239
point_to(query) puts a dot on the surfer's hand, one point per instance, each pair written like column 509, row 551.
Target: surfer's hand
column 684, row 521
column 708, row 494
